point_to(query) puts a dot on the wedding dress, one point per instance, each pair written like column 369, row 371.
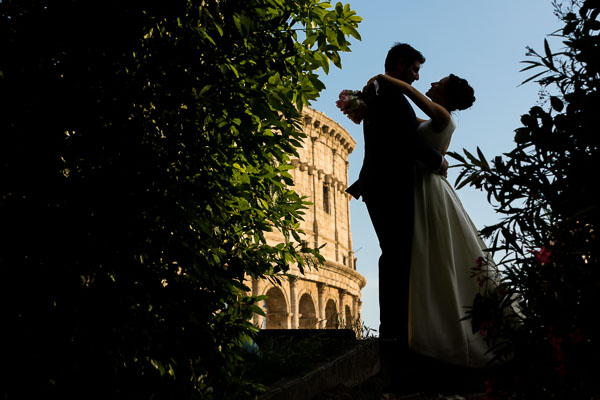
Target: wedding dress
column 446, row 245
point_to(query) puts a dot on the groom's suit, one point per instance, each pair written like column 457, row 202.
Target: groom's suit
column 386, row 184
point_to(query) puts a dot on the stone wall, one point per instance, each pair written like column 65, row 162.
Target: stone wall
column 325, row 297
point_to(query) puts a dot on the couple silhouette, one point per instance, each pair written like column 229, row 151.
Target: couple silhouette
column 428, row 242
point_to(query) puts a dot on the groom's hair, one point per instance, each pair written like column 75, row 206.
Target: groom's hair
column 402, row 52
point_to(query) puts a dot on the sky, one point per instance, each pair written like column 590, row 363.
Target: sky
column 483, row 41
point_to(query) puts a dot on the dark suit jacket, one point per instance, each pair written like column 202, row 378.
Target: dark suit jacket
column 391, row 144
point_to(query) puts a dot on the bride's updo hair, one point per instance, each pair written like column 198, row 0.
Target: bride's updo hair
column 459, row 95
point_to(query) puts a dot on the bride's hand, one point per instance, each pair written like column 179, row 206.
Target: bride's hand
column 370, row 82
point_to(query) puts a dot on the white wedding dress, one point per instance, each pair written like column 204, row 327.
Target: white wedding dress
column 446, row 245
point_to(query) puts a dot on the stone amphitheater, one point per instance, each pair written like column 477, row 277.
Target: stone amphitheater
column 329, row 297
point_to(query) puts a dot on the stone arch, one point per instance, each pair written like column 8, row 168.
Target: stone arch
column 347, row 315
column 308, row 315
column 268, row 285
column 276, row 309
column 331, row 314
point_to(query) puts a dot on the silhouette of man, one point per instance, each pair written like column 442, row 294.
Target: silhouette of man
column 385, row 183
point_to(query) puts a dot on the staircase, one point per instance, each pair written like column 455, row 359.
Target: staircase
column 356, row 374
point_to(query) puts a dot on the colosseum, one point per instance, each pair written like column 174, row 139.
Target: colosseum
column 327, row 297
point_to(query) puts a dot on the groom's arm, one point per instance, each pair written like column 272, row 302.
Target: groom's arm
column 429, row 156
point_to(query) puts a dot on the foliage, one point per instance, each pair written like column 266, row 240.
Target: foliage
column 292, row 354
column 357, row 325
column 544, row 189
column 145, row 151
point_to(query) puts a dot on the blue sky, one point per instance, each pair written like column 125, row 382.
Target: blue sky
column 481, row 41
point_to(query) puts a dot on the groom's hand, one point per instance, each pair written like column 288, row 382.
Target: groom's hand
column 443, row 168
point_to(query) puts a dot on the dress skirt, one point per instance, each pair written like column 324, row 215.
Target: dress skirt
column 446, row 245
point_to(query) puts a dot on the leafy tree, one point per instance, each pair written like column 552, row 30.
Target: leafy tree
column 145, row 151
column 544, row 188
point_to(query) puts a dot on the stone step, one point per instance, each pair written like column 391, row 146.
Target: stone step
column 356, row 375
column 350, row 369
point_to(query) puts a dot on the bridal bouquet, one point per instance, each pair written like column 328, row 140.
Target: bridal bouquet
column 352, row 104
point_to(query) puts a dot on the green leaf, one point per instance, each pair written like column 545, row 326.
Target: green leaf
column 483, row 162
column 456, row 156
column 471, row 157
column 549, row 56
column 531, row 66
column 522, row 135
column 556, row 103
column 533, row 77
column 243, row 204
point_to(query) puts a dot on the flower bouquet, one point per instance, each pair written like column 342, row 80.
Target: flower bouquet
column 352, row 104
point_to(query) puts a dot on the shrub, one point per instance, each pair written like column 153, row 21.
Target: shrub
column 145, row 151
column 544, row 188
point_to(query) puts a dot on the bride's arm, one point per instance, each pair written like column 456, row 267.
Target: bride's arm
column 439, row 115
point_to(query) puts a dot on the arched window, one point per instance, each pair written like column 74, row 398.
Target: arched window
column 326, row 206
column 308, row 315
column 348, row 316
column 331, row 315
column 277, row 315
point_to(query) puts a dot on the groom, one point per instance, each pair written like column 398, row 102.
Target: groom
column 386, row 184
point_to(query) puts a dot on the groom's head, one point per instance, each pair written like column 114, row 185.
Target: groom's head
column 404, row 62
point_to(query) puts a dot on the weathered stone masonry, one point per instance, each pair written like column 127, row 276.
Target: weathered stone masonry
column 319, row 298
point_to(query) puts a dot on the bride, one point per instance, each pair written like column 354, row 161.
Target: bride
column 446, row 243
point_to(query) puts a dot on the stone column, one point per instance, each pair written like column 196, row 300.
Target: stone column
column 341, row 308
column 294, row 320
column 321, row 306
column 347, row 199
column 359, row 309
column 315, row 182
column 335, row 205
column 257, row 320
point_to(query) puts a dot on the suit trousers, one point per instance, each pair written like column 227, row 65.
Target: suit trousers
column 392, row 215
